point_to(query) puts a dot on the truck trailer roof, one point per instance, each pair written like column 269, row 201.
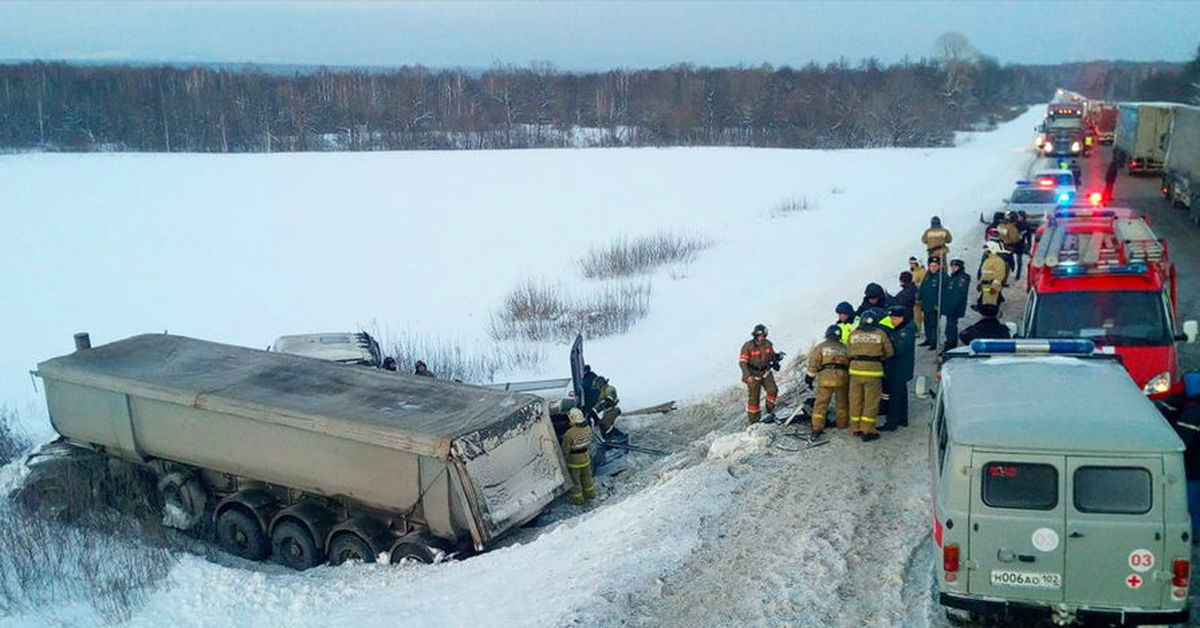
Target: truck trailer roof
column 409, row 413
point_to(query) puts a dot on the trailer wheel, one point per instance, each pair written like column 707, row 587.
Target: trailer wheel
column 416, row 547
column 347, row 547
column 294, row 546
column 239, row 534
column 183, row 500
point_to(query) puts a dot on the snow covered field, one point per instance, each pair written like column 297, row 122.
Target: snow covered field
column 240, row 249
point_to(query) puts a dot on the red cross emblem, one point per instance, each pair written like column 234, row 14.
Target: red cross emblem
column 1134, row 581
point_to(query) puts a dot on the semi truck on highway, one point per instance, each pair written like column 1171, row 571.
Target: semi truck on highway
column 1181, row 170
column 1101, row 118
column 1142, row 134
column 300, row 458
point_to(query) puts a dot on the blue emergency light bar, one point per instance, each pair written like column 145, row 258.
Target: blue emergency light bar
column 1099, row 213
column 1064, row 199
column 1075, row 270
column 1023, row 182
column 1066, row 346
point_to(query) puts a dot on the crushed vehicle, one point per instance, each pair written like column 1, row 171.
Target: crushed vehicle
column 343, row 347
column 1103, row 275
column 303, row 459
column 1065, row 503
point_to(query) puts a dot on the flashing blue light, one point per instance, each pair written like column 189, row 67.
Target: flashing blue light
column 1067, row 213
column 1067, row 346
column 1064, row 198
column 1023, row 182
column 1073, row 270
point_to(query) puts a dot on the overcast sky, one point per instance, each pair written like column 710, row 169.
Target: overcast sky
column 590, row 35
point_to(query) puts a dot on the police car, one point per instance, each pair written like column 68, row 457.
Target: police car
column 1063, row 182
column 1063, row 498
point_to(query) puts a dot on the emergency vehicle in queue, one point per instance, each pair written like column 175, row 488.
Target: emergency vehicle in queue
column 1066, row 502
column 1103, row 275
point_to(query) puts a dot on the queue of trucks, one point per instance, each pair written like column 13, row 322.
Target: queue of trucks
column 1163, row 138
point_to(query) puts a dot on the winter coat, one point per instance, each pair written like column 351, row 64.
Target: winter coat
column 590, row 394
column 993, row 269
column 985, row 328
column 607, row 398
column 829, row 363
column 846, row 328
column 868, row 348
column 904, row 342
column 883, row 301
column 577, row 445
column 755, row 358
column 1010, row 235
column 918, row 273
column 928, row 293
column 935, row 240
column 908, row 298
column 954, row 294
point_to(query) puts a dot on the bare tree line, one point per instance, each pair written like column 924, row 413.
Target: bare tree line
column 54, row 106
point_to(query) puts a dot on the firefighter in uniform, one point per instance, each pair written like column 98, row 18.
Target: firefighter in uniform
column 606, row 405
column 992, row 276
column 828, row 366
column 936, row 238
column 755, row 361
column 918, row 275
column 576, row 446
column 869, row 347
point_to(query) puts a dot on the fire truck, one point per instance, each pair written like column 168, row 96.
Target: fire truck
column 1102, row 274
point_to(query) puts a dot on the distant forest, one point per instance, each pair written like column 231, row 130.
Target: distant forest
column 61, row 107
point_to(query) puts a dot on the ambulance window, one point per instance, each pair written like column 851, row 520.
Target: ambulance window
column 1020, row 485
column 1115, row 490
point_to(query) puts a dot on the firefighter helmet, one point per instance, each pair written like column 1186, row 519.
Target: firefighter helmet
column 833, row 332
column 576, row 416
column 759, row 329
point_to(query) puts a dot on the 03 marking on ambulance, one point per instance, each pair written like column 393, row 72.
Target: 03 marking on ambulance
column 1045, row 540
column 1141, row 560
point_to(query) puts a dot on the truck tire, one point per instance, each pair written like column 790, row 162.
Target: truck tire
column 239, row 534
column 183, row 499
column 348, row 546
column 294, row 547
column 416, row 547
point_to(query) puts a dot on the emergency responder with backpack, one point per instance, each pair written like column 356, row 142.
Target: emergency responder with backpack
column 756, row 360
column 829, row 368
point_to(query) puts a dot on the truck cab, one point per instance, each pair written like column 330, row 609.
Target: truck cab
column 1103, row 275
column 1065, row 502
column 343, row 347
column 1063, row 131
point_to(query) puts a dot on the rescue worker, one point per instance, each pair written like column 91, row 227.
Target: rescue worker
column 954, row 300
column 936, row 238
column 588, row 381
column 873, row 296
column 907, row 296
column 606, row 405
column 389, row 364
column 755, row 361
column 918, row 275
column 1110, row 175
column 869, row 347
column 423, row 370
column 898, row 370
column 1013, row 241
column 1026, row 229
column 577, row 448
column 992, row 275
column 845, row 320
column 930, row 295
column 828, row 367
column 987, row 326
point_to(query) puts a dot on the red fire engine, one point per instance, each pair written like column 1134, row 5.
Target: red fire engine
column 1102, row 274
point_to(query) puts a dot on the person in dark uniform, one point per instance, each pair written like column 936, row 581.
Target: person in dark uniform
column 898, row 369
column 987, row 327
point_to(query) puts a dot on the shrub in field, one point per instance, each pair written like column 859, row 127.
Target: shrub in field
column 625, row 257
column 790, row 206
column 13, row 440
column 449, row 360
column 82, row 528
column 548, row 312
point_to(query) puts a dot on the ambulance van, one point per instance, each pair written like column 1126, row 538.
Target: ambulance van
column 1058, row 489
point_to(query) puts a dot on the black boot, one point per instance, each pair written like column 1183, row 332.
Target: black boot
column 866, row 438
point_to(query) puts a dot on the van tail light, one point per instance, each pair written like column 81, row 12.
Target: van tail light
column 1181, row 570
column 950, row 558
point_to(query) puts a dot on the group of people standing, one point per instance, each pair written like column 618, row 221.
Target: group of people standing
column 600, row 407
column 865, row 362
